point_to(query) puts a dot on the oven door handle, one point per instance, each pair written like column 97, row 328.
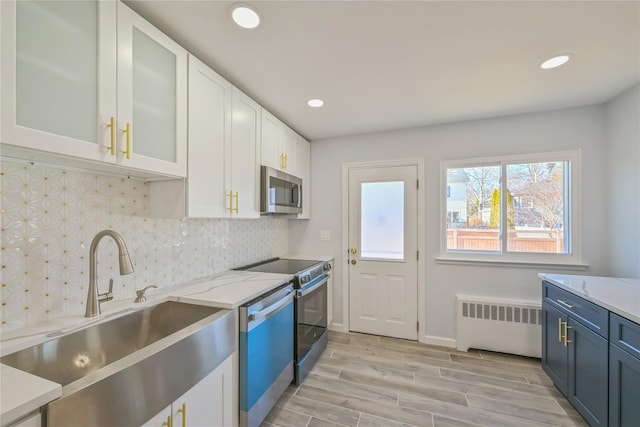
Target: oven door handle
column 303, row 292
column 272, row 309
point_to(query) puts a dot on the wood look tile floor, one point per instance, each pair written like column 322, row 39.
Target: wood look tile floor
column 370, row 381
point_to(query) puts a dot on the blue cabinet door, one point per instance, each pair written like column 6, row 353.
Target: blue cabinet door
column 624, row 388
column 588, row 374
column 554, row 350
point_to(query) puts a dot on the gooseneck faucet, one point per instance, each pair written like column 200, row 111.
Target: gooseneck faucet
column 126, row 267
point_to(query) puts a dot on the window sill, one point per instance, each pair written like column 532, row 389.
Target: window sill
column 577, row 266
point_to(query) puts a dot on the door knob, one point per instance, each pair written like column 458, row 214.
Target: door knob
column 354, row 250
column 353, row 262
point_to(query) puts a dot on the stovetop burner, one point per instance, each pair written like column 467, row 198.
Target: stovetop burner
column 282, row 266
column 304, row 271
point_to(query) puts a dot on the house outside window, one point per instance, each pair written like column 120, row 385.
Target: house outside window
column 513, row 208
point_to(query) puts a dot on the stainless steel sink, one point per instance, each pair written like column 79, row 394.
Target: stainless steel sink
column 127, row 369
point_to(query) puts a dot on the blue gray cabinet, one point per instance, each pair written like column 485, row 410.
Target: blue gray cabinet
column 624, row 372
column 555, row 357
column 588, row 373
column 575, row 351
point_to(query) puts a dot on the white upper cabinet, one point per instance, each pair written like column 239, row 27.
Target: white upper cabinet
column 85, row 80
column 59, row 77
column 244, row 187
column 303, row 164
column 209, row 136
column 279, row 144
column 152, row 96
column 223, row 168
column 270, row 146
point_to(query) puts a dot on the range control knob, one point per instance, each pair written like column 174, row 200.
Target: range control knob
column 303, row 280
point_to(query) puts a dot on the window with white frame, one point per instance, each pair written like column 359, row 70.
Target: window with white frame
column 517, row 207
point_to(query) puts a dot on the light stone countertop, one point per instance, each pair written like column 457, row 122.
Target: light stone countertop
column 22, row 393
column 618, row 295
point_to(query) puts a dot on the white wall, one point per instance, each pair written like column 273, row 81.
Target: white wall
column 622, row 116
column 579, row 128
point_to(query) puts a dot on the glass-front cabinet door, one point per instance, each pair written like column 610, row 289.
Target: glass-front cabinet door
column 93, row 80
column 152, row 96
column 59, row 77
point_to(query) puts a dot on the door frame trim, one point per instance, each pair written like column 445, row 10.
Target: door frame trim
column 346, row 168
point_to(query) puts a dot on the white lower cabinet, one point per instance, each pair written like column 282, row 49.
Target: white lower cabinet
column 206, row 404
column 33, row 420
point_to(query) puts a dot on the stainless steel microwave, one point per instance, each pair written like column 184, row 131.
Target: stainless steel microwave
column 280, row 192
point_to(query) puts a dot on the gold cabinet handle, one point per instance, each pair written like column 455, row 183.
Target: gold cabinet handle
column 168, row 422
column 127, row 130
column 566, row 333
column 569, row 306
column 236, row 208
column 286, row 161
column 112, row 126
column 282, row 161
column 559, row 329
column 183, row 411
column 230, row 208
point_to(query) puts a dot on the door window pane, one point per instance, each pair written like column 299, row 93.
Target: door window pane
column 538, row 203
column 473, row 208
column 382, row 220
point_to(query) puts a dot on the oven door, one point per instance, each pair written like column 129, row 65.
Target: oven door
column 310, row 315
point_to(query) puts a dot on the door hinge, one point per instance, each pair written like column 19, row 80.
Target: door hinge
column 418, row 326
column 417, row 184
column 417, row 255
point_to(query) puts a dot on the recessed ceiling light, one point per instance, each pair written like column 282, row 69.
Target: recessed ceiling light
column 245, row 16
column 556, row 61
column 315, row 103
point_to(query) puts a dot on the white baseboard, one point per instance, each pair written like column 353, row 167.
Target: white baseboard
column 337, row 327
column 440, row 341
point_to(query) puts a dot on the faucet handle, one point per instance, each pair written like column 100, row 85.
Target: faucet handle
column 140, row 294
column 108, row 296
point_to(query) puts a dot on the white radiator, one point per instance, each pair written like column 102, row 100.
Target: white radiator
column 495, row 324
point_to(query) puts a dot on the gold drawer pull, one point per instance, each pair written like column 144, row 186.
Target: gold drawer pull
column 127, row 152
column 569, row 306
column 559, row 329
column 566, row 333
column 230, row 208
column 112, row 126
column 183, row 411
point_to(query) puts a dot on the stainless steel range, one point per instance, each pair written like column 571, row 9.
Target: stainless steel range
column 310, row 307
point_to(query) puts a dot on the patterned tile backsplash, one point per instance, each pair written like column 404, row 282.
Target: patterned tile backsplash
column 50, row 216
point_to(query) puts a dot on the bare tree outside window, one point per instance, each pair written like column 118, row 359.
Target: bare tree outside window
column 535, row 200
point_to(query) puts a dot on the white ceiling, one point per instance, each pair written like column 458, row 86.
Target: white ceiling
column 382, row 65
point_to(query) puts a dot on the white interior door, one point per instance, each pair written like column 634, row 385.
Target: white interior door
column 383, row 245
